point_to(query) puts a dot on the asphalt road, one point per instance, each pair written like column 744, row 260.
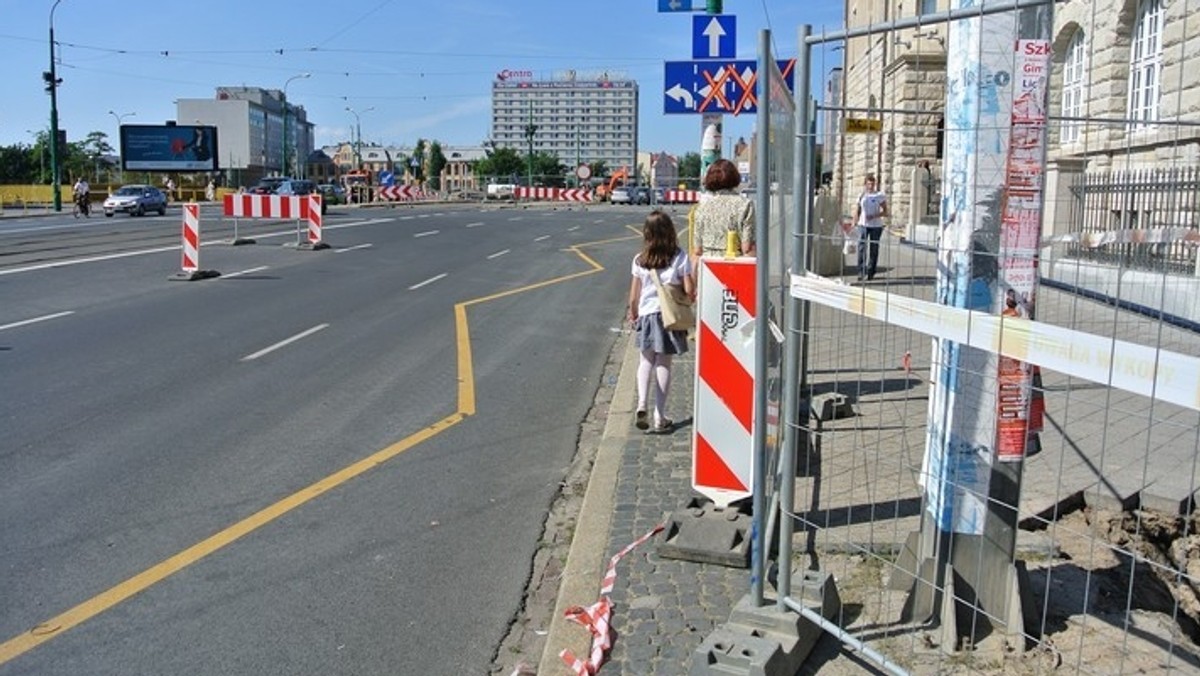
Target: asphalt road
column 320, row 462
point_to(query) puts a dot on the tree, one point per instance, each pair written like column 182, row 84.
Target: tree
column 416, row 162
column 599, row 169
column 437, row 162
column 500, row 165
column 549, row 168
column 18, row 163
column 689, row 166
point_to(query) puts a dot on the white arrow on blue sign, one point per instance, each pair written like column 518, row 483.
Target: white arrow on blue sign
column 727, row 86
column 674, row 5
column 386, row 177
column 714, row 36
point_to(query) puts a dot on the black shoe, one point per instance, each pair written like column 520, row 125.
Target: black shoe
column 643, row 423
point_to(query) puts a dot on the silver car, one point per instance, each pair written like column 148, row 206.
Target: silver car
column 621, row 196
column 136, row 200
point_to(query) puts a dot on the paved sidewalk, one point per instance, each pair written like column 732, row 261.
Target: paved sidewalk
column 861, row 494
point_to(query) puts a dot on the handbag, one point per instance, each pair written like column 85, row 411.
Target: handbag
column 677, row 311
column 850, row 246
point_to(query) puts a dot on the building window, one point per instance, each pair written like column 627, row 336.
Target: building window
column 926, row 7
column 1145, row 64
column 1073, row 86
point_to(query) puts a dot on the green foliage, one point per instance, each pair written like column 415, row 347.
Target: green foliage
column 16, row 165
column 549, row 168
column 437, row 162
column 500, row 164
column 689, row 166
column 417, row 167
column 599, row 169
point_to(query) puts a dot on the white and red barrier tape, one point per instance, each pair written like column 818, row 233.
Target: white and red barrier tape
column 598, row 616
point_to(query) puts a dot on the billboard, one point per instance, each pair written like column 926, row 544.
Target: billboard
column 147, row 147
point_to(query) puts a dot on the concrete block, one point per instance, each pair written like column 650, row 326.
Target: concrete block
column 705, row 533
column 728, row 651
column 831, row 406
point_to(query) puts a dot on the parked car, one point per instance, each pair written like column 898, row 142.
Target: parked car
column 136, row 200
column 333, row 193
column 660, row 196
column 621, row 196
column 268, row 185
column 640, row 195
column 300, row 186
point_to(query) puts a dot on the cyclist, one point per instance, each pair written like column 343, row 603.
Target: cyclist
column 82, row 203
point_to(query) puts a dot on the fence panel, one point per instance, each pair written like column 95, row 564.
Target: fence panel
column 1105, row 538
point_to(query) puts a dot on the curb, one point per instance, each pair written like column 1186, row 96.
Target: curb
column 584, row 570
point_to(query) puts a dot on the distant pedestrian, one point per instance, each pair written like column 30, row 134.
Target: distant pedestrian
column 869, row 212
column 660, row 255
column 721, row 212
column 210, row 191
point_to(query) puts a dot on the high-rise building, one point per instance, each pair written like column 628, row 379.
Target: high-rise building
column 580, row 116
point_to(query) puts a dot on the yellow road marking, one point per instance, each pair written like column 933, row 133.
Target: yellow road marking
column 59, row 624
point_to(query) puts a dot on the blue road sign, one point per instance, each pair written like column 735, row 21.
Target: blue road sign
column 386, row 177
column 674, row 5
column 716, row 86
column 714, row 36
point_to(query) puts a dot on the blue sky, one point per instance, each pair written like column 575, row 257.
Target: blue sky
column 425, row 67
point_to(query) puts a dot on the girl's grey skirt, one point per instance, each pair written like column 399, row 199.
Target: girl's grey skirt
column 652, row 336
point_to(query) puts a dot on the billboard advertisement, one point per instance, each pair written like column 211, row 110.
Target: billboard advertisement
column 147, row 147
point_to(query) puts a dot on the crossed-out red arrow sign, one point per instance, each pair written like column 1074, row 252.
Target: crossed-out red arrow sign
column 716, row 86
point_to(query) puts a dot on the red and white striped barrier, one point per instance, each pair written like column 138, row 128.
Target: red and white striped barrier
column 722, row 438
column 191, row 238
column 298, row 207
column 270, row 206
column 598, row 616
column 399, row 192
column 681, row 196
column 190, row 249
column 559, row 194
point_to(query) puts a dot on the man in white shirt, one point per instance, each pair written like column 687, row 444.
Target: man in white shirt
column 869, row 212
column 80, row 192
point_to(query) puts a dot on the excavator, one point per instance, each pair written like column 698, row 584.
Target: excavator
column 618, row 178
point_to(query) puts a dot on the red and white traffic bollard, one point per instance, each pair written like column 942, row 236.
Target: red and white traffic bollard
column 190, row 250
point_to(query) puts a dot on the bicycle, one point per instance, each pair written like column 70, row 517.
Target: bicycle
column 82, row 205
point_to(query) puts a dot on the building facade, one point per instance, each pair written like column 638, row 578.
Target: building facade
column 250, row 131
column 582, row 118
column 1121, row 100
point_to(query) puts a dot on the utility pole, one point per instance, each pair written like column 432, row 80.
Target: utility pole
column 710, row 124
column 52, row 83
column 530, row 130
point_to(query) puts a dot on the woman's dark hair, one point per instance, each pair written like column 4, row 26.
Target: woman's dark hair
column 660, row 243
column 722, row 175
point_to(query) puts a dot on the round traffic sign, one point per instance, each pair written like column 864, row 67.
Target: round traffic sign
column 584, row 172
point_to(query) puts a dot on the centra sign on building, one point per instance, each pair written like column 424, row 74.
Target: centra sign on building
column 514, row 74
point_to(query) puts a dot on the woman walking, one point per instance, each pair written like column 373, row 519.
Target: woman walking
column 723, row 211
column 660, row 255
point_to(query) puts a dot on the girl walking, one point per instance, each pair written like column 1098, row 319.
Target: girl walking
column 660, row 255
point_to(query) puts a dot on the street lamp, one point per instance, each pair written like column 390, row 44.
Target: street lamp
column 52, row 83
column 285, row 116
column 358, row 134
column 119, row 117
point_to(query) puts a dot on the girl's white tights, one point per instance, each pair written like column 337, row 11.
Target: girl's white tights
column 658, row 366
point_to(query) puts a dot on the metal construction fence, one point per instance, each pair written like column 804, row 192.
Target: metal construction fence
column 993, row 468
